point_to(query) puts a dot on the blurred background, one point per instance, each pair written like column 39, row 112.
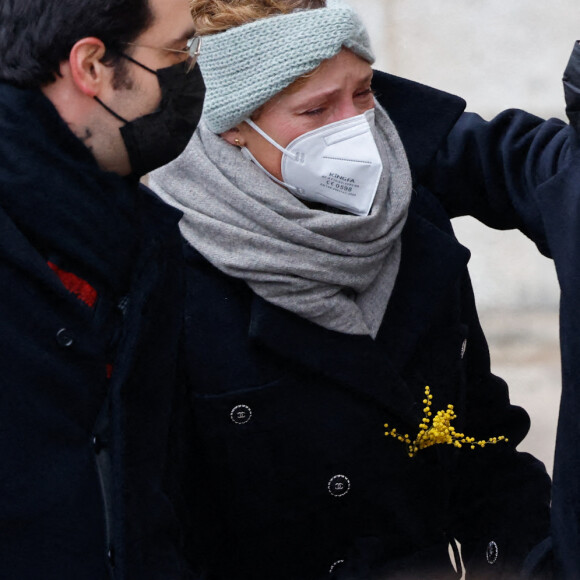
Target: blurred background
column 496, row 54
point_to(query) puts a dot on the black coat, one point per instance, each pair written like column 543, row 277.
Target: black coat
column 91, row 286
column 294, row 477
column 518, row 171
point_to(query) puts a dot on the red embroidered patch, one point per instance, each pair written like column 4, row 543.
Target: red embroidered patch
column 79, row 287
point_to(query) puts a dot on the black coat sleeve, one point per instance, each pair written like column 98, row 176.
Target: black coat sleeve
column 501, row 498
column 503, row 171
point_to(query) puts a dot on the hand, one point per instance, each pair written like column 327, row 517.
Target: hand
column 571, row 82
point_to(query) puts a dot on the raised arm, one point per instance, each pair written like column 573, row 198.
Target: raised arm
column 501, row 171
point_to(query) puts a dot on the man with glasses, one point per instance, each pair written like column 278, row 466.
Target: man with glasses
column 93, row 95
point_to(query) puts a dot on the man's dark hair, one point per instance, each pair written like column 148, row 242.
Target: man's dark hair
column 37, row 35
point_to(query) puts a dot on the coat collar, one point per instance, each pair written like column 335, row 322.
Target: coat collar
column 422, row 115
column 83, row 219
column 431, row 262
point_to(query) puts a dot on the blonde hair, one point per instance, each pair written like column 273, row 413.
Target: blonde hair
column 213, row 16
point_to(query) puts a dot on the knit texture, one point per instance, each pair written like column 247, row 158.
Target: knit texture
column 334, row 269
column 247, row 65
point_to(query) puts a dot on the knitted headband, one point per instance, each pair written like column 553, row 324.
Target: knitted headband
column 246, row 66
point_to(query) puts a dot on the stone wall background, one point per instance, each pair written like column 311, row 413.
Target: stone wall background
column 496, row 54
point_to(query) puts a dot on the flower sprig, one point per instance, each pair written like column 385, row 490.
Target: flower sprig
column 434, row 430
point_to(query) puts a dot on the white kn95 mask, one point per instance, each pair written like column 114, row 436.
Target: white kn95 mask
column 338, row 164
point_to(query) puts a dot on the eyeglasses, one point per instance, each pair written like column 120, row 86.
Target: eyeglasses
column 193, row 50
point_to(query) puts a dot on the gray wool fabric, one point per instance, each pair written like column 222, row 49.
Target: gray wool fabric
column 334, row 269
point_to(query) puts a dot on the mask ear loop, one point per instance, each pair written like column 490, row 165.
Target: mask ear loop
column 248, row 155
column 270, row 140
column 110, row 110
column 130, row 58
column 107, row 108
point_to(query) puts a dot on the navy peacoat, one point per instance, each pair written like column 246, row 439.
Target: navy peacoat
column 293, row 476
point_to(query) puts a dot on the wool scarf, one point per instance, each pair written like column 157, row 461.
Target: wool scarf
column 334, row 269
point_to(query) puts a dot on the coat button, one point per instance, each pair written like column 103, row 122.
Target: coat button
column 339, row 485
column 335, row 566
column 64, row 338
column 111, row 557
column 241, row 414
column 123, row 304
column 97, row 444
column 463, row 347
column 492, row 553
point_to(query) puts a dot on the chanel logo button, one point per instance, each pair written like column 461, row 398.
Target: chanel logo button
column 97, row 444
column 64, row 338
column 241, row 414
column 463, row 347
column 339, row 485
column 492, row 553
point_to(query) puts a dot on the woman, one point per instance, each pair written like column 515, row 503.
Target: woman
column 328, row 297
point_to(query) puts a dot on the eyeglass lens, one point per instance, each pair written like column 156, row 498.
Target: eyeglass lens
column 194, row 49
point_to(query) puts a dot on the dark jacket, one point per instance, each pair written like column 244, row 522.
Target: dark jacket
column 518, row 171
column 90, row 314
column 295, row 478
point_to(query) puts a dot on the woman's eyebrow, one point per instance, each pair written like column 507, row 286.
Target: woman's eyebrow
column 318, row 96
column 367, row 78
column 323, row 94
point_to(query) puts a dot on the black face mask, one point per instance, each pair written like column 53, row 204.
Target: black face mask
column 156, row 139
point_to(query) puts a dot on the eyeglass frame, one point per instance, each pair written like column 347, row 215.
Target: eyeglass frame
column 193, row 50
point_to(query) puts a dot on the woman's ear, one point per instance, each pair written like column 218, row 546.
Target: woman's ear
column 88, row 72
column 234, row 137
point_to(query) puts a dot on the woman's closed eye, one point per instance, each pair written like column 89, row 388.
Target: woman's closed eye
column 360, row 98
column 314, row 112
column 364, row 93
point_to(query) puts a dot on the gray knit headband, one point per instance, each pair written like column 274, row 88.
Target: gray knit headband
column 246, row 66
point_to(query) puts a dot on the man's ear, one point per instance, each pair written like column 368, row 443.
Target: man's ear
column 87, row 70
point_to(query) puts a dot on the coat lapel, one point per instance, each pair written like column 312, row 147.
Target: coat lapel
column 353, row 363
column 422, row 115
column 431, row 262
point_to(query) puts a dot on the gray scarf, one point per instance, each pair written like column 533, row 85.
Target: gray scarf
column 334, row 269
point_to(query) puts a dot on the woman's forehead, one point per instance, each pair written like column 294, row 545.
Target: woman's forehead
column 344, row 69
